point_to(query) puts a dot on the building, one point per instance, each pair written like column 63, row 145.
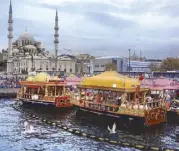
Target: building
column 25, row 54
column 142, row 66
column 99, row 64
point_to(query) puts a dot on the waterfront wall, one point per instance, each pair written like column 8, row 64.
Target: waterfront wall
column 8, row 93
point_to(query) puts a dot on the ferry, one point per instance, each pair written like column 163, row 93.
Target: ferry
column 42, row 89
column 113, row 95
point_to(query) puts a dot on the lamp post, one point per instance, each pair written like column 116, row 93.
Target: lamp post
column 129, row 61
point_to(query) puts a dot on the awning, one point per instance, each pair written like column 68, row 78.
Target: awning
column 33, row 86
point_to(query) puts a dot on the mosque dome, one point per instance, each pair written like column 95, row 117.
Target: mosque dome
column 26, row 36
column 42, row 77
column 30, row 47
column 30, row 79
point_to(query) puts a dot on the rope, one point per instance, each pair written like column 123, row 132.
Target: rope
column 90, row 136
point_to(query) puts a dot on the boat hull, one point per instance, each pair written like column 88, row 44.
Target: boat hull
column 129, row 120
column 173, row 116
column 41, row 103
column 123, row 120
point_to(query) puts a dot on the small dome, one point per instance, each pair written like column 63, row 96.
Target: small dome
column 42, row 77
column 26, row 36
column 15, row 51
column 30, row 47
column 30, row 78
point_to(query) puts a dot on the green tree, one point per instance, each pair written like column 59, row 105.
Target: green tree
column 110, row 67
column 154, row 66
column 170, row 64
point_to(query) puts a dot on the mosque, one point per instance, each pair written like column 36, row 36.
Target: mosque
column 26, row 55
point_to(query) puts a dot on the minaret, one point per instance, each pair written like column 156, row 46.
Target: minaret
column 56, row 41
column 10, row 30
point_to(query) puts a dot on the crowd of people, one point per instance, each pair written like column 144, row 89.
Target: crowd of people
column 10, row 82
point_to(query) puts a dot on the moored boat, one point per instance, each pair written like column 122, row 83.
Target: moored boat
column 114, row 95
column 173, row 110
column 45, row 90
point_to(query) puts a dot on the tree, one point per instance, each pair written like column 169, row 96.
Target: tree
column 110, row 67
column 154, row 66
column 170, row 64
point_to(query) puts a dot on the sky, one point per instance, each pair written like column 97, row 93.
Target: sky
column 98, row 27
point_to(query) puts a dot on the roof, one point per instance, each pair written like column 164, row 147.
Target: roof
column 42, row 79
column 109, row 57
column 26, row 36
column 30, row 47
column 55, row 78
column 110, row 79
column 30, row 78
column 161, row 82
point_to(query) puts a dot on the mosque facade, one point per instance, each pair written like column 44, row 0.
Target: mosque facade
column 25, row 54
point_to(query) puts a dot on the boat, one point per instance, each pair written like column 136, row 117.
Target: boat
column 113, row 95
column 173, row 110
column 42, row 89
column 168, row 90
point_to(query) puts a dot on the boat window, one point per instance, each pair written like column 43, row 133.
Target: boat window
column 35, row 91
column 130, row 97
column 42, row 91
column 51, row 91
column 139, row 98
column 59, row 90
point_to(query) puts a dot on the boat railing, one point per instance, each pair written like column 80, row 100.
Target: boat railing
column 48, row 98
column 115, row 108
column 156, row 104
column 101, row 107
column 37, row 97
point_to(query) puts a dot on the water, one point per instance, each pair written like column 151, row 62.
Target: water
column 45, row 138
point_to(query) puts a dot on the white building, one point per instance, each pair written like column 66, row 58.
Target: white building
column 99, row 64
column 26, row 55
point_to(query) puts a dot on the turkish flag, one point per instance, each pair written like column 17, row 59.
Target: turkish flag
column 141, row 77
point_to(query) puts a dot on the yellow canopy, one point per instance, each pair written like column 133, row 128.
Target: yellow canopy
column 55, row 78
column 30, row 79
column 110, row 79
column 42, row 77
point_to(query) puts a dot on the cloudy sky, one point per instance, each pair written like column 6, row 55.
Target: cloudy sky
column 98, row 27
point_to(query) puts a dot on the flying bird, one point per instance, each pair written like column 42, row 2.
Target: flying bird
column 113, row 130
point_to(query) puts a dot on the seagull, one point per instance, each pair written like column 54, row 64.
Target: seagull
column 28, row 128
column 31, row 129
column 113, row 130
column 26, row 125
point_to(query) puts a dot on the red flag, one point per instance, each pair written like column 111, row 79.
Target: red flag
column 141, row 77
